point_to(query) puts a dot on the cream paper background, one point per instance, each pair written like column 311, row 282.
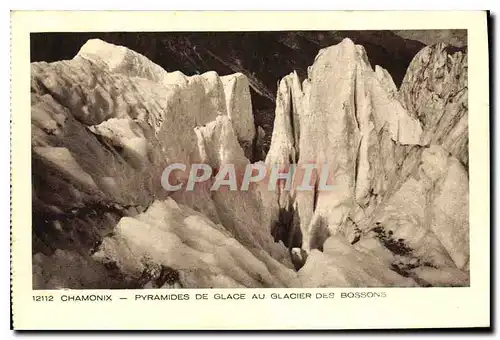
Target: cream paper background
column 402, row 308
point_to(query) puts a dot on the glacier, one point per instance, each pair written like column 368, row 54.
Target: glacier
column 106, row 124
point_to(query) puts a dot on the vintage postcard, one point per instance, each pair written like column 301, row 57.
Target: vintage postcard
column 312, row 170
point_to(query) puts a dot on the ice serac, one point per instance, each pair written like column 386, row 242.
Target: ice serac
column 435, row 91
column 385, row 80
column 119, row 59
column 344, row 115
column 392, row 195
column 284, row 147
column 105, row 125
column 283, row 153
column 239, row 109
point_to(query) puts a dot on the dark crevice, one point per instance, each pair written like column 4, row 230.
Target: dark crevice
column 286, row 228
column 315, row 195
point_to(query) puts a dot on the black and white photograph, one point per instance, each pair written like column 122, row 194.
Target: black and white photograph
column 256, row 159
column 314, row 170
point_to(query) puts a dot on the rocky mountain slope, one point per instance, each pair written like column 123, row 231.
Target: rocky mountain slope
column 106, row 123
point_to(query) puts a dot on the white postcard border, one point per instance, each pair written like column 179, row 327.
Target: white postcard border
column 402, row 308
